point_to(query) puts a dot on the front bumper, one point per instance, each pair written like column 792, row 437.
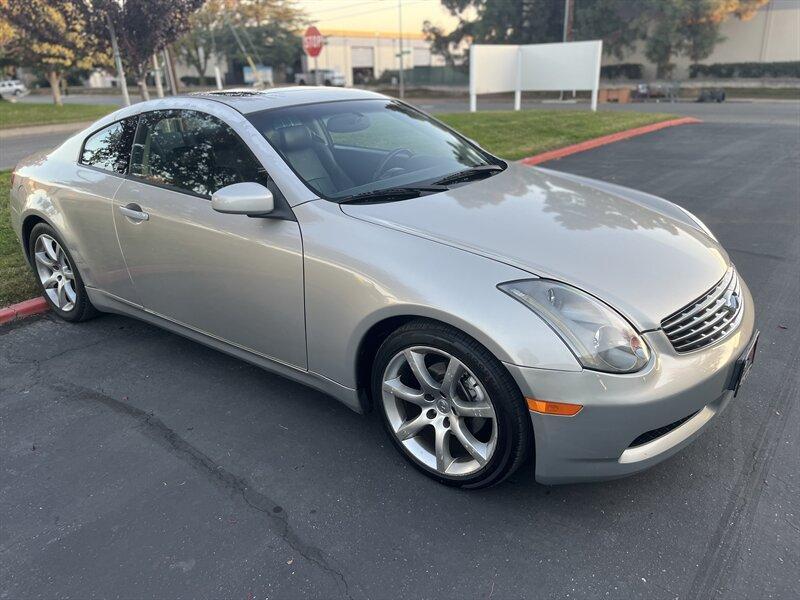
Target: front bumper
column 595, row 444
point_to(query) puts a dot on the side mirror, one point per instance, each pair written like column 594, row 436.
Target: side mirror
column 248, row 198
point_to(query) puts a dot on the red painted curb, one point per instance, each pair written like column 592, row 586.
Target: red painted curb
column 606, row 139
column 26, row 308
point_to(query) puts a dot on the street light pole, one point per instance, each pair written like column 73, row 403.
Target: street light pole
column 567, row 33
column 157, row 73
column 118, row 61
column 400, row 24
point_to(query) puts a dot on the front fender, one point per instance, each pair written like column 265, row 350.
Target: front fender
column 358, row 274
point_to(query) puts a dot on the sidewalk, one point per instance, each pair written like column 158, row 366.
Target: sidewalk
column 14, row 132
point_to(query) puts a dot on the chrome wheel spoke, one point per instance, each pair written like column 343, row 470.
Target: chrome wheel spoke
column 50, row 247
column 70, row 292
column 402, row 391
column 412, row 427
column 44, row 260
column 451, row 376
column 50, row 281
column 61, row 295
column 465, row 408
column 476, row 449
column 443, row 457
column 416, row 360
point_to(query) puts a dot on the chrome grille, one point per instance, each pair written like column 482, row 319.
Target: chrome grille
column 708, row 319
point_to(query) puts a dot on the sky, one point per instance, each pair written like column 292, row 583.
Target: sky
column 376, row 15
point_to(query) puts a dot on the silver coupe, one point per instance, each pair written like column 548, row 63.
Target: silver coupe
column 491, row 312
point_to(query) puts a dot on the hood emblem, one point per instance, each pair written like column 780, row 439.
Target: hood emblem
column 731, row 302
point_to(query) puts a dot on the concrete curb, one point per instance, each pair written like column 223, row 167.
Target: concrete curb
column 23, row 309
column 606, row 139
column 14, row 132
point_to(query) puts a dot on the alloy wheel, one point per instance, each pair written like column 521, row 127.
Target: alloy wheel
column 55, row 273
column 439, row 411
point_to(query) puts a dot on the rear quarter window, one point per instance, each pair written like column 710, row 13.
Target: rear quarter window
column 110, row 148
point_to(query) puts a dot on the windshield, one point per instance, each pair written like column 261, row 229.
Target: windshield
column 358, row 147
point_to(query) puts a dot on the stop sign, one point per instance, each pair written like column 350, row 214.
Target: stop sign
column 312, row 41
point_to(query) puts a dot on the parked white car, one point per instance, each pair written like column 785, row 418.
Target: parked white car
column 12, row 88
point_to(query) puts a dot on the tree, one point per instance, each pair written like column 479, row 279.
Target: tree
column 506, row 22
column 619, row 23
column 52, row 36
column 690, row 27
column 196, row 47
column 7, row 37
column 669, row 27
column 267, row 29
column 145, row 27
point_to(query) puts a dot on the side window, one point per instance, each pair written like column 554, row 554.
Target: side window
column 110, row 148
column 192, row 151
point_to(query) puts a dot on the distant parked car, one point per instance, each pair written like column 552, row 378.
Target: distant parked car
column 711, row 95
column 657, row 91
column 320, row 77
column 12, row 88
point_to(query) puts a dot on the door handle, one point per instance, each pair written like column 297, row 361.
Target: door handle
column 134, row 212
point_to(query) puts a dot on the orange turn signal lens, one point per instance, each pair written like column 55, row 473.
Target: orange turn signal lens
column 553, row 408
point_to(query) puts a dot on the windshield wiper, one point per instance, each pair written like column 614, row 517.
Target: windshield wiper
column 471, row 173
column 389, row 194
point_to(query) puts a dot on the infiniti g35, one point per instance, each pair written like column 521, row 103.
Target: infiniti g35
column 489, row 311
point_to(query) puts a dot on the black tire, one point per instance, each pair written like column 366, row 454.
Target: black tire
column 83, row 309
column 515, row 433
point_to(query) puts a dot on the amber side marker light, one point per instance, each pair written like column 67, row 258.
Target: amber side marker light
column 553, row 408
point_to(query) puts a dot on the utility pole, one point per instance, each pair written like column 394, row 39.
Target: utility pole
column 215, row 54
column 173, row 85
column 568, row 6
column 118, row 61
column 568, row 14
column 402, row 91
column 157, row 74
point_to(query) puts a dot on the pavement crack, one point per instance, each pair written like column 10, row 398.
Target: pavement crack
column 162, row 434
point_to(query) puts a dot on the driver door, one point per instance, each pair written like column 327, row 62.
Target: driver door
column 234, row 278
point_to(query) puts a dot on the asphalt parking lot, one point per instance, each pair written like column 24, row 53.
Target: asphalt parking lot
column 138, row 464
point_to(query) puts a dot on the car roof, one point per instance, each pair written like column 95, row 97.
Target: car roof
column 248, row 100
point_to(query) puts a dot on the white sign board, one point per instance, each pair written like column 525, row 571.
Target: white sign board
column 534, row 67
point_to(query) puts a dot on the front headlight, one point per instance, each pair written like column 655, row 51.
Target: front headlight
column 598, row 336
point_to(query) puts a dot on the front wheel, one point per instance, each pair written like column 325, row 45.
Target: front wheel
column 449, row 406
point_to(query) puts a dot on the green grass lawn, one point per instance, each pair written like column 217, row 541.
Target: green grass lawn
column 509, row 134
column 517, row 134
column 19, row 114
column 16, row 280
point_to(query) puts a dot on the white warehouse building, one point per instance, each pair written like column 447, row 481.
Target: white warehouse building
column 362, row 56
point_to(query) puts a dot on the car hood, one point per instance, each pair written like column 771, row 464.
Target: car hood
column 640, row 254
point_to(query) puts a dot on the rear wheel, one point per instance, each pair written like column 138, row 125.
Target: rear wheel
column 449, row 406
column 55, row 271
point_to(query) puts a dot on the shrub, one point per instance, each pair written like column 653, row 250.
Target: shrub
column 746, row 69
column 626, row 70
column 189, row 80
